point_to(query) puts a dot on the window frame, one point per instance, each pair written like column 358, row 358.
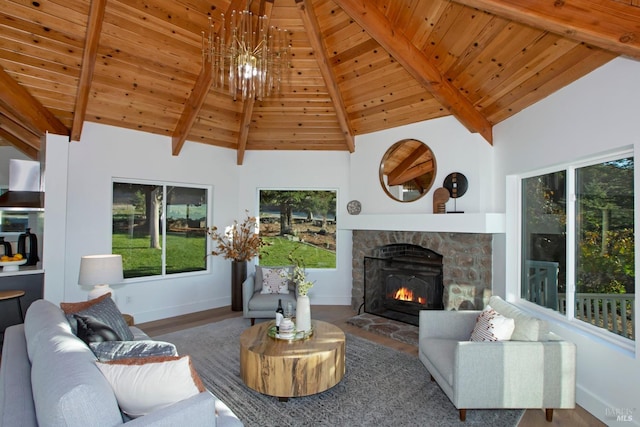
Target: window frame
column 164, row 185
column 515, row 228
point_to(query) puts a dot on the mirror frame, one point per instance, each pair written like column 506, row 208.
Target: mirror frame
column 421, row 149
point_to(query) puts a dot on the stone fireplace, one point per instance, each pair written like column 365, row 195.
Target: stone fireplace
column 466, row 259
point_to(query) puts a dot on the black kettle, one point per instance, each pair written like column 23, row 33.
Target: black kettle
column 6, row 246
column 30, row 240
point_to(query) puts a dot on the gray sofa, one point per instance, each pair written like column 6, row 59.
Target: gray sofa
column 535, row 369
column 48, row 377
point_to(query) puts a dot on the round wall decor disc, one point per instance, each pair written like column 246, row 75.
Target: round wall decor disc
column 354, row 207
column 457, row 184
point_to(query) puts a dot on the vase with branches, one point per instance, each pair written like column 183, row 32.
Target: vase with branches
column 240, row 243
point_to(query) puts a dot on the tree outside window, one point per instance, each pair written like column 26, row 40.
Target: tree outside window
column 599, row 288
column 154, row 222
column 300, row 220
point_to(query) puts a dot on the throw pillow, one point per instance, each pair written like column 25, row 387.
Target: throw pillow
column 106, row 311
column 91, row 330
column 492, row 326
column 114, row 350
column 275, row 281
column 143, row 385
column 74, row 307
column 259, row 277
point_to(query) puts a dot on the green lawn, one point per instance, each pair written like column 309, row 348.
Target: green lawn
column 138, row 259
column 188, row 254
column 278, row 253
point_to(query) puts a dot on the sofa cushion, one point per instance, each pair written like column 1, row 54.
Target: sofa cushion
column 91, row 330
column 141, row 385
column 275, row 281
column 106, row 312
column 269, row 302
column 114, row 350
column 492, row 326
column 527, row 328
column 68, row 389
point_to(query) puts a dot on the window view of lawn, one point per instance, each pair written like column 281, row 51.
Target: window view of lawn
column 141, row 234
column 304, row 221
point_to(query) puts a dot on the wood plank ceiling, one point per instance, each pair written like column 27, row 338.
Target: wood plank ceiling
column 357, row 66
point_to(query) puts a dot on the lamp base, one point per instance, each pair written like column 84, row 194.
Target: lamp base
column 99, row 290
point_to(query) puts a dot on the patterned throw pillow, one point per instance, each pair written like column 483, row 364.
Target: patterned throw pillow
column 92, row 330
column 492, row 326
column 114, row 350
column 105, row 311
column 141, row 387
column 275, row 281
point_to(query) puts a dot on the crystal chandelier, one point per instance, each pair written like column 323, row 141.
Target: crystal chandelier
column 253, row 56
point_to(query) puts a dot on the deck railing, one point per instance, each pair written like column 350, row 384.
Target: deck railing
column 613, row 312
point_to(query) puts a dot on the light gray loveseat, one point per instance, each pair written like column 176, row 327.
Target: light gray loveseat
column 48, row 377
column 535, row 369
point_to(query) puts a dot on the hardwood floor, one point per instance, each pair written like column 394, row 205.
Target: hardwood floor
column 338, row 315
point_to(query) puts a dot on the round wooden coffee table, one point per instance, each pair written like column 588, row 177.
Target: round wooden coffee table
column 286, row 369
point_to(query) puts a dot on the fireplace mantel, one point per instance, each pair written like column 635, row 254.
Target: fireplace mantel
column 485, row 223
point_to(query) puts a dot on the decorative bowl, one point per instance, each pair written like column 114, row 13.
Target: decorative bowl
column 12, row 265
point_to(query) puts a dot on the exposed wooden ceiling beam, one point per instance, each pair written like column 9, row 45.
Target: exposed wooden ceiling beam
column 266, row 7
column 31, row 113
column 19, row 144
column 194, row 103
column 245, row 122
column 26, row 137
column 94, row 28
column 376, row 24
column 192, row 108
column 318, row 45
column 611, row 25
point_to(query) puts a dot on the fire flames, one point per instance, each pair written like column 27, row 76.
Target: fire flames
column 404, row 294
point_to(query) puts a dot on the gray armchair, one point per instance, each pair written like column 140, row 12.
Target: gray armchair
column 256, row 305
column 536, row 369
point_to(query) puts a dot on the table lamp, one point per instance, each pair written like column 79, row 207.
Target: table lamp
column 99, row 271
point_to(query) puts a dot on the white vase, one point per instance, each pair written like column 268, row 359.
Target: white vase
column 303, row 313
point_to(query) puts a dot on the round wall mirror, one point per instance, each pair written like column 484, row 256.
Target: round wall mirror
column 407, row 170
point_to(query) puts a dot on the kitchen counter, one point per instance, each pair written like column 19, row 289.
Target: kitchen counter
column 24, row 269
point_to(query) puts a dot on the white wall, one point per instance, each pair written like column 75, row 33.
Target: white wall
column 107, row 152
column 7, row 153
column 596, row 114
column 322, row 170
column 455, row 150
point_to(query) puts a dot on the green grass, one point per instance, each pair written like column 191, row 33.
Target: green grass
column 138, row 259
column 278, row 254
column 188, row 254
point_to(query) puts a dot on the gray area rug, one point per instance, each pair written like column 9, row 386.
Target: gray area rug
column 381, row 387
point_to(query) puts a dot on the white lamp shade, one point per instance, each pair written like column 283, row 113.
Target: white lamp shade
column 100, row 270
